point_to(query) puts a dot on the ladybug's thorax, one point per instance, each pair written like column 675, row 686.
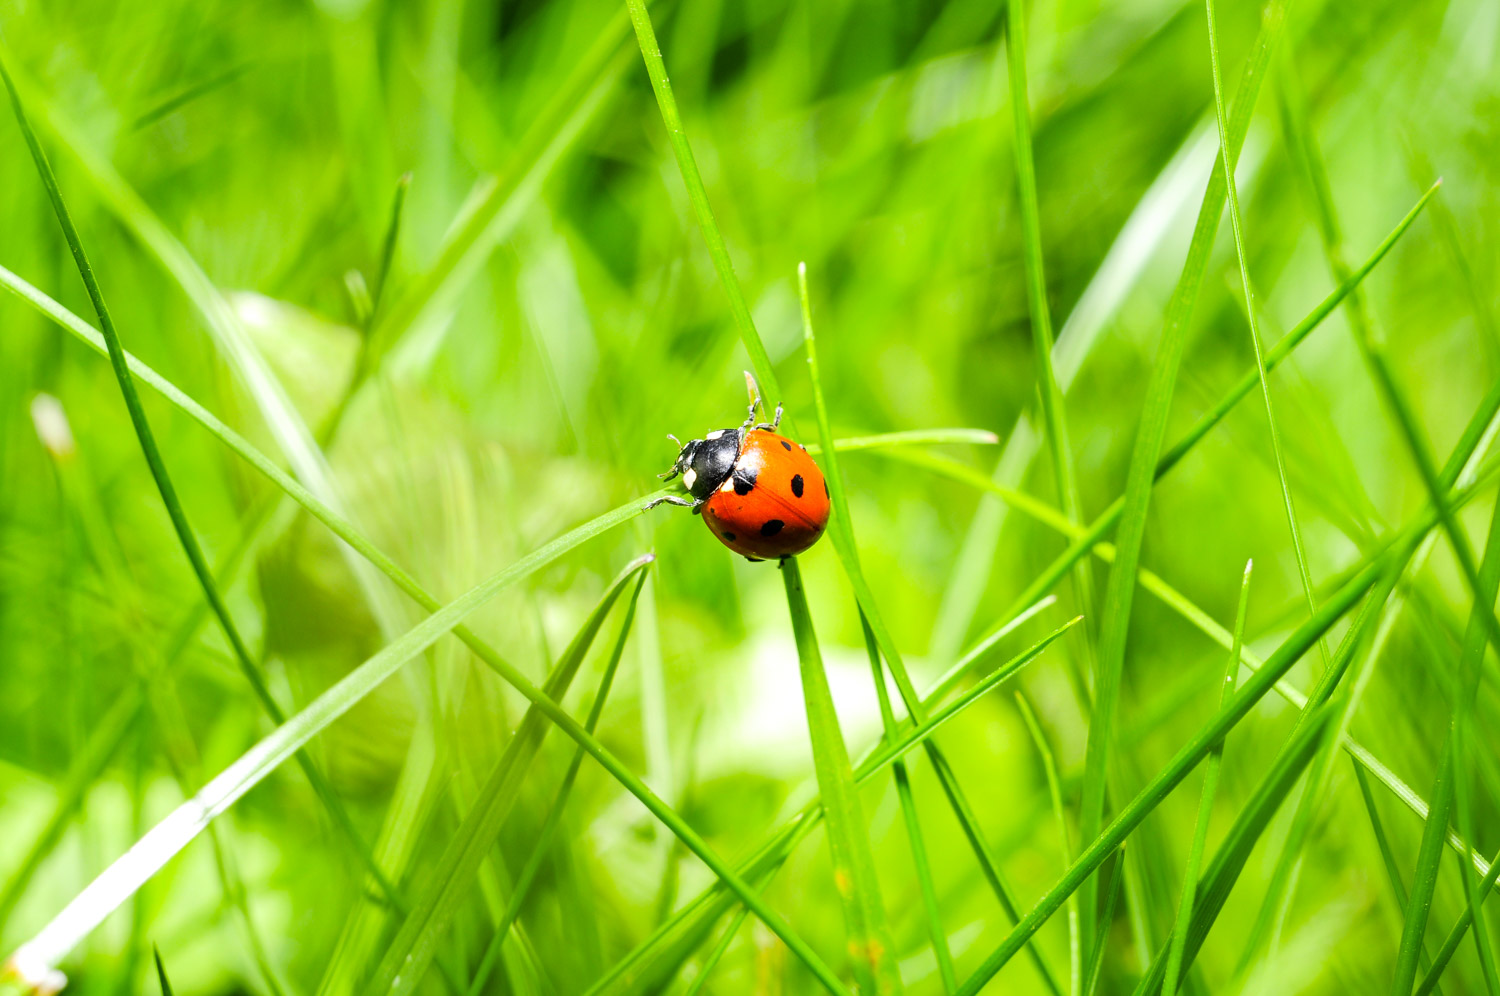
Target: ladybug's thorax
column 707, row 463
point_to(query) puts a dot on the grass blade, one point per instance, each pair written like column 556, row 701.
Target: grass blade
column 411, row 951
column 935, row 931
column 872, row 952
column 1054, row 791
column 842, row 536
column 1119, row 591
column 1205, row 804
column 1184, row 761
column 168, row 492
column 161, row 972
column 120, row 880
column 766, row 858
column 553, row 819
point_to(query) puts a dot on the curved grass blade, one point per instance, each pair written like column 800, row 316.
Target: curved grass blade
column 923, row 866
column 1119, row 593
column 120, row 880
column 553, row 819
column 1168, row 778
column 872, row 952
column 1205, row 803
column 449, row 884
column 769, row 856
column 842, row 535
column 1174, row 600
column 168, row 492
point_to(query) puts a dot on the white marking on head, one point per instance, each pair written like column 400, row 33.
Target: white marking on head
column 690, row 478
column 715, row 434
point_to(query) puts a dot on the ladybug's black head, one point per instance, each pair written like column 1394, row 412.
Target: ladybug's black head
column 707, row 463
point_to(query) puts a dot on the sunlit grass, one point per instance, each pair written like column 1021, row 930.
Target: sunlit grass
column 416, row 292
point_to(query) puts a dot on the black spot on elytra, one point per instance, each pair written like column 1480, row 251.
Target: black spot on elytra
column 729, row 537
column 786, row 445
column 797, row 485
column 772, row 527
column 744, row 480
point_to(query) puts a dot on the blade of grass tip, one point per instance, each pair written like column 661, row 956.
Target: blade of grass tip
column 661, row 86
column 1054, row 413
column 1065, row 845
column 542, row 842
column 449, row 884
column 1434, row 832
column 120, row 880
column 842, row 535
column 388, row 246
column 1205, row 802
column 168, row 492
column 872, row 952
column 1130, row 815
column 1119, row 593
column 923, row 867
column 1111, row 899
column 764, row 860
column 161, row 972
column 1227, row 159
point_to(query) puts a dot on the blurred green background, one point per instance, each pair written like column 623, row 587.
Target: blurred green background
column 552, row 312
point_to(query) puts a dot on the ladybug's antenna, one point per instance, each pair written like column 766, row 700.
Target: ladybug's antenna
column 677, row 442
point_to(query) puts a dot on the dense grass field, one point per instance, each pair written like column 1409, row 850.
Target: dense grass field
column 338, row 598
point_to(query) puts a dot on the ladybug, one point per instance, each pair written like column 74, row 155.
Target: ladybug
column 759, row 492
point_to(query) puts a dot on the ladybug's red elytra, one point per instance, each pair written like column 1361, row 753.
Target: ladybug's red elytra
column 759, row 492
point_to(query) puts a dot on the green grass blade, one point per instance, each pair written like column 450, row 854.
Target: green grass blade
column 1235, row 850
column 841, row 533
column 1434, row 832
column 872, row 952
column 1130, row 816
column 1456, row 935
column 1383, row 844
column 1227, row 161
column 118, row 882
column 1054, row 412
column 910, row 437
column 553, row 819
column 687, row 165
column 920, row 862
column 1179, row 604
column 769, row 855
column 450, row 883
column 161, row 972
column 167, row 490
column 1120, row 589
column 1205, row 804
column 1106, row 917
column 717, row 954
column 1065, row 845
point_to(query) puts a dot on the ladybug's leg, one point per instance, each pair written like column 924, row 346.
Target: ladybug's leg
column 698, row 506
column 772, row 425
column 667, row 500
